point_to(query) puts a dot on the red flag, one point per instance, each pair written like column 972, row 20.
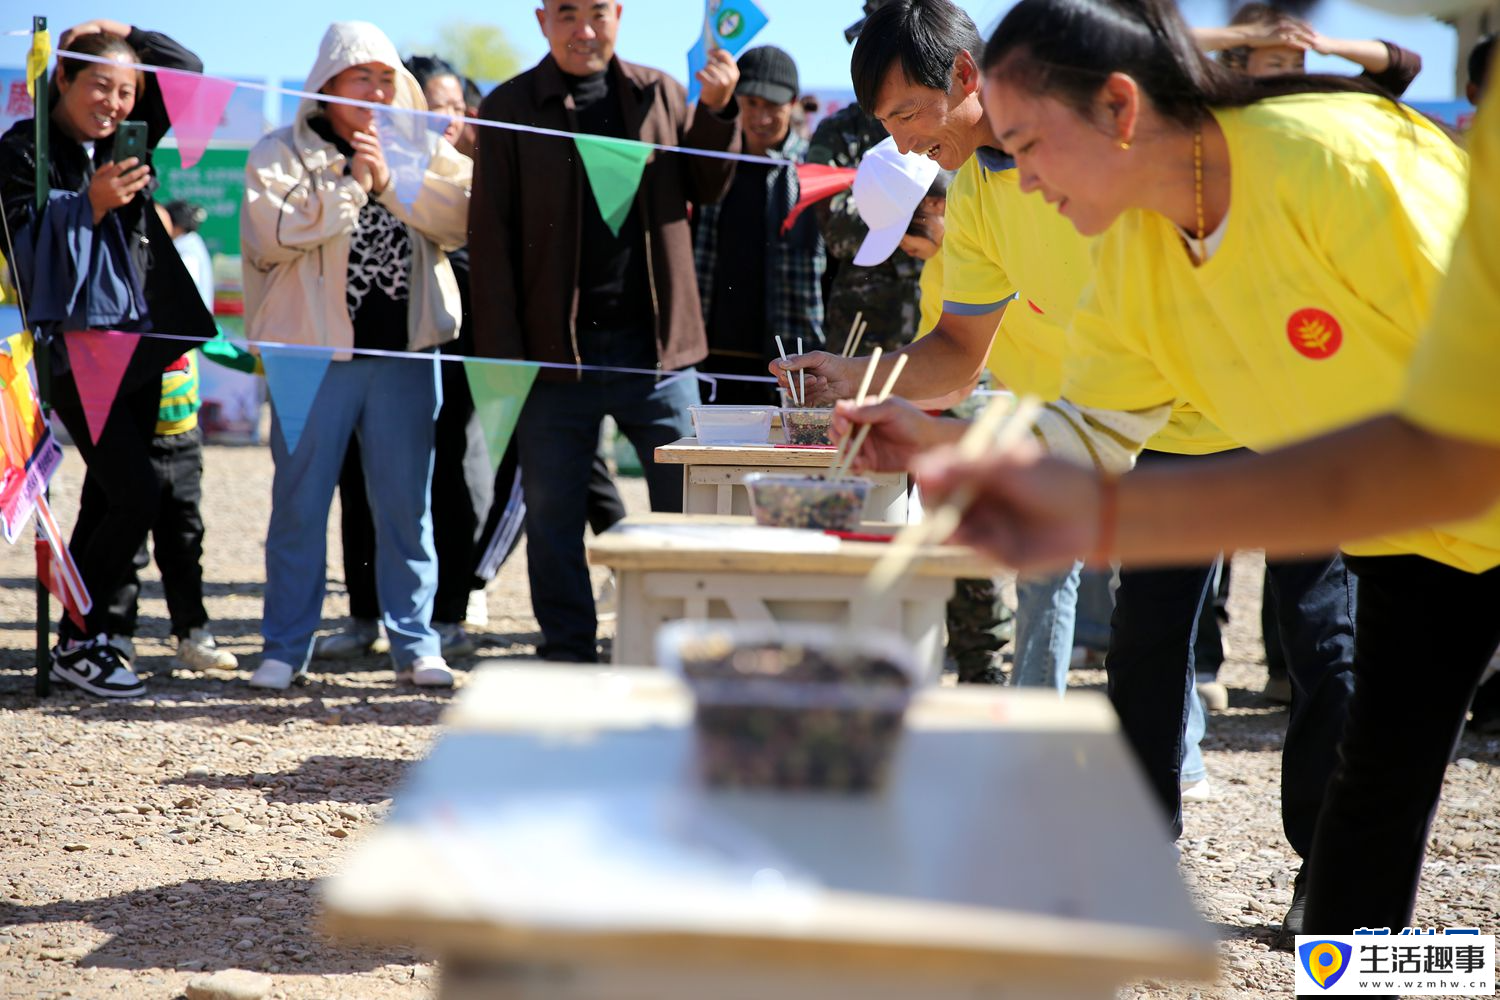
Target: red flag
column 56, row 569
column 817, row 181
column 99, row 358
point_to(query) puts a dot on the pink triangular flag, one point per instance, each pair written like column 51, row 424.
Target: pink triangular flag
column 99, row 358
column 195, row 104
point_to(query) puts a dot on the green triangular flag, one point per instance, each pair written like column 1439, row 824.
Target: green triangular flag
column 499, row 392
column 229, row 355
column 614, row 170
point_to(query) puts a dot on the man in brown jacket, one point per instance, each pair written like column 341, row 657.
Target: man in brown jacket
column 553, row 282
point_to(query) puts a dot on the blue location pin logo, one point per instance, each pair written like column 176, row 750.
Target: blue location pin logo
column 1325, row 961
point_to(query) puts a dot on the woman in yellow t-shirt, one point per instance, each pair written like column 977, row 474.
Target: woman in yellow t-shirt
column 1269, row 254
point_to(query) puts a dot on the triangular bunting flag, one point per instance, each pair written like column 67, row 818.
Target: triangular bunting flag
column 727, row 25
column 99, row 359
column 816, row 181
column 409, row 143
column 231, row 355
column 499, row 392
column 195, row 104
column 614, row 169
column 293, row 378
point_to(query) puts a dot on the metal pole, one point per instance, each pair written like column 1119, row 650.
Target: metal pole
column 40, row 111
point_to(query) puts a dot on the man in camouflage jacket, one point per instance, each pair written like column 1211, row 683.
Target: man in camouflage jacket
column 886, row 293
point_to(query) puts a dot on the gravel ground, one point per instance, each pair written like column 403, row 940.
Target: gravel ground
column 146, row 842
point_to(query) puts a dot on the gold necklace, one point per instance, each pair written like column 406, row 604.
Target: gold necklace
column 1198, row 191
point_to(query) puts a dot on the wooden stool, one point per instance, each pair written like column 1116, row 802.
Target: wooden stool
column 674, row 566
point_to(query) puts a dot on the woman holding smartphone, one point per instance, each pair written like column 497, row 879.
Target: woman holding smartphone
column 96, row 256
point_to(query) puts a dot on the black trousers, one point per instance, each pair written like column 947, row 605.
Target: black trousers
column 1152, row 673
column 176, row 537
column 120, row 495
column 1425, row 633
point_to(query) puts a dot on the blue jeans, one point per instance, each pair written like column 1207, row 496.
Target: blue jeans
column 558, row 435
column 391, row 404
column 1193, row 768
column 1045, row 607
column 1096, row 605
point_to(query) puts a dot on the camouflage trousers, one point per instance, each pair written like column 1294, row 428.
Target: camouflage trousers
column 979, row 626
column 979, row 622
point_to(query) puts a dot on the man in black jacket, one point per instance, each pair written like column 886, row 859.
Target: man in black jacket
column 554, row 281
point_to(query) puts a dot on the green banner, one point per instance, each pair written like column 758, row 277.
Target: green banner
column 217, row 183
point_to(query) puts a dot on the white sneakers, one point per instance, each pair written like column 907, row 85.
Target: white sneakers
column 427, row 671
column 199, row 651
column 424, row 671
column 273, row 675
column 606, row 602
column 1198, row 791
column 477, row 614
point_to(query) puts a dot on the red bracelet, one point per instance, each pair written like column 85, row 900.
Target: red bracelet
column 1109, row 520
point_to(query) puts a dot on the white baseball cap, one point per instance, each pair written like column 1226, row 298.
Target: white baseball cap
column 888, row 187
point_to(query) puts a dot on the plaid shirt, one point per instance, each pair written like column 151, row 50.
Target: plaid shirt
column 794, row 262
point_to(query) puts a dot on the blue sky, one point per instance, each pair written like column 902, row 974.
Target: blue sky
column 245, row 39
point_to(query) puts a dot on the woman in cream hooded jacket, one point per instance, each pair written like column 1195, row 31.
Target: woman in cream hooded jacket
column 306, row 213
column 301, row 206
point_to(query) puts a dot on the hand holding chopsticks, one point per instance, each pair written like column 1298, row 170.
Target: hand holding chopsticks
column 995, row 430
column 844, row 458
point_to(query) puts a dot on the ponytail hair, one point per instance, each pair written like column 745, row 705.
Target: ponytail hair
column 1066, row 49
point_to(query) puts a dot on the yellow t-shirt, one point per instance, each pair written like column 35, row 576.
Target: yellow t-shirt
column 1000, row 241
column 1453, row 386
column 1343, row 209
column 930, row 291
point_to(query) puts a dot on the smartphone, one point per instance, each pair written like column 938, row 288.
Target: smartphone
column 130, row 140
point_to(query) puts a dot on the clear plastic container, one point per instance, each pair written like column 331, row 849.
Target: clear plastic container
column 785, row 500
column 793, row 706
column 732, row 424
column 807, row 425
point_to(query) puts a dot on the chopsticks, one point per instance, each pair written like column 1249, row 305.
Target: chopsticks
column 995, row 430
column 790, row 386
column 801, row 378
column 856, row 334
column 797, row 391
column 845, row 456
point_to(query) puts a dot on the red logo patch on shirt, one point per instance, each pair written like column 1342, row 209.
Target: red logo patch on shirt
column 1314, row 333
column 1036, row 308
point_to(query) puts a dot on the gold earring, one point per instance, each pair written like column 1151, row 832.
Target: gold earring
column 1123, row 143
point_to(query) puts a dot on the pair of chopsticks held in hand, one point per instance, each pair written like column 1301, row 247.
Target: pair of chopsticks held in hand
column 849, row 447
column 797, row 391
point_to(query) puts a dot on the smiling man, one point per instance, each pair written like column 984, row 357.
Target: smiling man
column 554, row 281
column 915, row 70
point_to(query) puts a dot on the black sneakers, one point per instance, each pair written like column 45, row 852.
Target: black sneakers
column 96, row 667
